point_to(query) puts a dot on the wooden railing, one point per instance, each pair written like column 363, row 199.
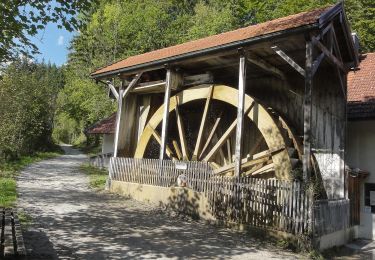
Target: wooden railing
column 331, row 216
column 100, row 160
column 276, row 204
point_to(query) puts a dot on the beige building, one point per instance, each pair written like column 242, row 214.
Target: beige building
column 361, row 140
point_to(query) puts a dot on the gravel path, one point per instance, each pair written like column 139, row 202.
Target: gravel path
column 73, row 222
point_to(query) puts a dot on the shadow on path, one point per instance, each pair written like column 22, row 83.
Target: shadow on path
column 72, row 222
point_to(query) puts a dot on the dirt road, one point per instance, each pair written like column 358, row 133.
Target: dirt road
column 70, row 221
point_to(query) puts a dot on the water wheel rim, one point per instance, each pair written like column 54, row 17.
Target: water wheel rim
column 258, row 115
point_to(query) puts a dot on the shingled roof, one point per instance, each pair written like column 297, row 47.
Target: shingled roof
column 104, row 126
column 361, row 89
column 215, row 41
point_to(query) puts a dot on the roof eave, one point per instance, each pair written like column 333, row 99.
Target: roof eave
column 230, row 46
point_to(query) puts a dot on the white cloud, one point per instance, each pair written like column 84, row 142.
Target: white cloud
column 60, row 40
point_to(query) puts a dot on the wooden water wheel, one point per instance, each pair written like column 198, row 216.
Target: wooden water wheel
column 202, row 125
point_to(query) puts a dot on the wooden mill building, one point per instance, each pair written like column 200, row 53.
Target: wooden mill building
column 261, row 105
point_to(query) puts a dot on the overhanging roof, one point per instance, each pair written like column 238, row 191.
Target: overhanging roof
column 230, row 40
column 104, row 126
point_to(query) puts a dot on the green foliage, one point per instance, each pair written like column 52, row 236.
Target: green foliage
column 27, row 104
column 97, row 176
column 21, row 19
column 116, row 29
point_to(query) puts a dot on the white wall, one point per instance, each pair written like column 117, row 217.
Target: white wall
column 361, row 154
column 107, row 143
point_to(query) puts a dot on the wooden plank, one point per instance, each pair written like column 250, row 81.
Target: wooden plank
column 144, row 111
column 307, row 104
column 289, row 60
column 331, row 57
column 118, row 122
column 181, row 133
column 132, row 84
column 202, row 124
column 150, row 87
column 157, row 137
column 229, row 151
column 224, row 137
column 240, row 115
column 317, row 62
column 113, row 89
column 177, row 149
column 164, row 131
column 265, row 65
column 210, row 136
column 8, row 235
column 193, row 80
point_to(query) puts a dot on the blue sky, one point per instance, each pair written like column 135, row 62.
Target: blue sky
column 53, row 44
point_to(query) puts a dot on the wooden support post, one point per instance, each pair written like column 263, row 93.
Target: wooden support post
column 307, row 112
column 118, row 121
column 125, row 132
column 167, row 95
column 240, row 115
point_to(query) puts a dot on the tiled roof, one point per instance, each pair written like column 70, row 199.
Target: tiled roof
column 361, row 89
column 280, row 24
column 104, row 126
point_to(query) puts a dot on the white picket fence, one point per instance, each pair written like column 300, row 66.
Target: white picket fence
column 331, row 216
column 276, row 204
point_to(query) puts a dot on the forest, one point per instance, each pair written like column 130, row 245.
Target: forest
column 42, row 104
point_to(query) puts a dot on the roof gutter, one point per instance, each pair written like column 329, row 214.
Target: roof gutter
column 212, row 50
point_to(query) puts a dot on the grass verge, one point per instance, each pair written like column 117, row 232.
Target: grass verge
column 9, row 171
column 97, row 176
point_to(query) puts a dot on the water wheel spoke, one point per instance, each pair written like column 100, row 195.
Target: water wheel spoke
column 265, row 169
column 259, row 168
column 157, row 137
column 245, row 163
column 229, row 151
column 225, row 136
column 181, row 133
column 210, row 136
column 177, row 149
column 202, row 124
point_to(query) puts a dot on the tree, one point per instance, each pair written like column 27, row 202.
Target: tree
column 20, row 19
column 27, row 103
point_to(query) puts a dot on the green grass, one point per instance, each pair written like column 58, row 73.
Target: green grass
column 90, row 150
column 9, row 172
column 97, row 176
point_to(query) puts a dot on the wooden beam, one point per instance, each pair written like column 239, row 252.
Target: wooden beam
column 177, row 149
column 317, row 62
column 157, row 137
column 244, row 162
column 289, row 60
column 229, row 151
column 265, row 66
column 205, row 78
column 150, row 87
column 167, row 95
column 331, row 57
column 267, row 168
column 113, row 89
column 240, row 115
column 144, row 111
column 132, row 84
column 224, row 137
column 307, row 103
column 202, row 124
column 118, row 122
column 181, row 132
column 210, row 136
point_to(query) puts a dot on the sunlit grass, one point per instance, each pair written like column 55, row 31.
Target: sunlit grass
column 97, row 176
column 9, row 171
